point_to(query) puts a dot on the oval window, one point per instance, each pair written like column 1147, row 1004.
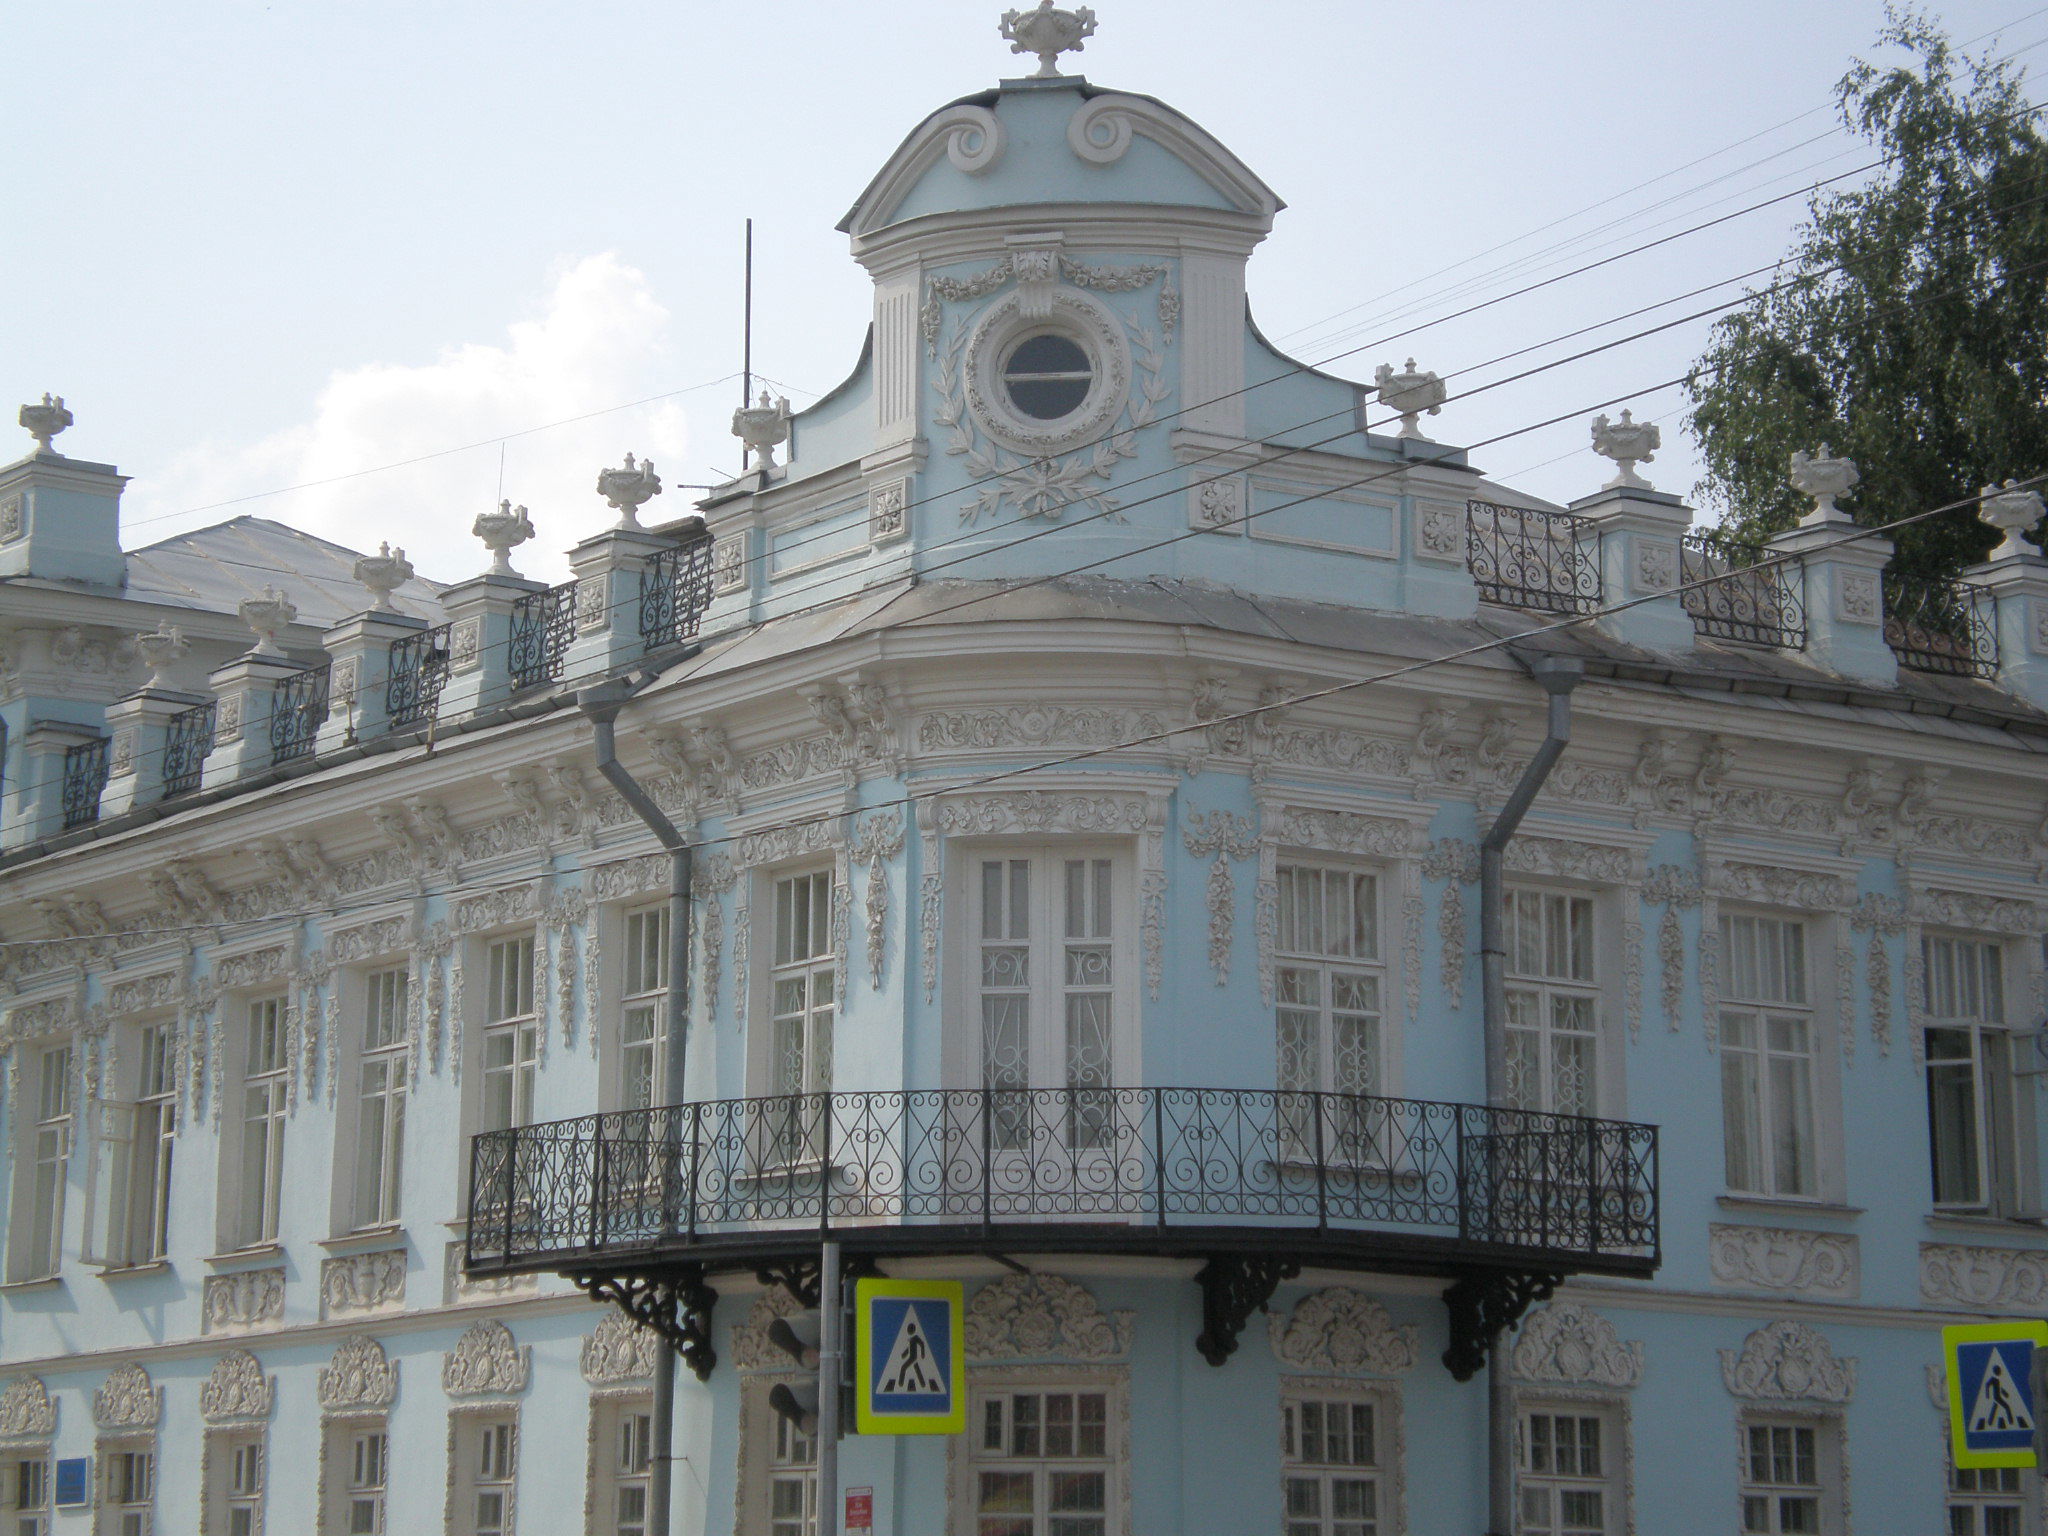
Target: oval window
column 1047, row 377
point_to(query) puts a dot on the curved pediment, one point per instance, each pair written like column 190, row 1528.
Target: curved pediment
column 1027, row 147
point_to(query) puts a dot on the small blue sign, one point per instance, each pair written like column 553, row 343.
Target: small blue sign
column 1997, row 1395
column 910, row 1348
column 74, row 1478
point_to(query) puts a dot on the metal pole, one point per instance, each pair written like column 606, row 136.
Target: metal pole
column 829, row 1349
column 747, row 334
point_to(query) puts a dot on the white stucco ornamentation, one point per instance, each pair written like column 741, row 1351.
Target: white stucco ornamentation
column 1341, row 1331
column 501, row 532
column 761, row 428
column 1227, row 836
column 127, row 1399
column 46, row 420
column 1787, row 1360
column 1409, row 393
column 1217, row 504
column 1783, row 1259
column 1857, row 597
column 1823, row 477
column 1984, row 1278
column 2012, row 509
column 27, row 1411
column 485, row 1362
column 161, row 649
column 249, row 1298
column 1456, row 863
column 751, row 1350
column 1628, row 442
column 355, row 1283
column 359, row 1376
column 1023, row 1316
column 13, row 521
column 877, row 841
column 383, row 574
column 1047, row 31
column 1573, row 1345
column 625, row 491
column 1879, row 917
column 236, row 1390
column 619, row 1350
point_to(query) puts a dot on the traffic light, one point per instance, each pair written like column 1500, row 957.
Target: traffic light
column 797, row 1336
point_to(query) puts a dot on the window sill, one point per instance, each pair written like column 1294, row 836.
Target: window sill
column 368, row 1240
column 261, row 1256
column 41, row 1282
column 134, row 1271
column 2010, row 1226
column 1767, row 1205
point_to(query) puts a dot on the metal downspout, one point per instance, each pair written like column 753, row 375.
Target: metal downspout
column 602, row 705
column 1557, row 676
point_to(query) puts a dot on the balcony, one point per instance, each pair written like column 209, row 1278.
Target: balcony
column 85, row 780
column 675, row 589
column 1523, row 558
column 543, row 624
column 297, row 711
column 418, row 673
column 1257, row 1182
column 1742, row 592
column 188, row 738
column 1948, row 627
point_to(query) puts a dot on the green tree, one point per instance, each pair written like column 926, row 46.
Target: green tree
column 1908, row 325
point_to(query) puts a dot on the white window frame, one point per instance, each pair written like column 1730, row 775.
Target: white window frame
column 132, row 1152
column 1830, row 1467
column 1386, row 1469
column 1749, row 1029
column 773, row 1455
column 509, row 1043
column 379, row 1078
column 234, row 1474
column 260, row 1049
column 621, row 1461
column 1615, row 1478
column 639, row 1072
column 2011, row 1488
column 2001, row 1112
column 1309, row 968
column 47, row 1116
column 471, row 1475
column 28, row 1511
column 1543, row 980
column 969, row 1458
column 342, row 1472
column 113, row 1514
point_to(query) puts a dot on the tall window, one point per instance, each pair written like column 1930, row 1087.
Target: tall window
column 802, row 986
column 129, row 1490
column 1789, row 1481
column 641, row 1066
column 265, row 1094
column 489, row 1451
column 47, row 1167
column 622, row 1442
column 1567, row 1475
column 380, row 1099
column 792, row 1481
column 1046, row 974
column 1552, row 1043
column 25, row 1482
column 235, row 1468
column 355, row 1473
column 1987, row 1501
column 511, row 1034
column 1331, row 1472
column 1974, row 1118
column 1769, row 1139
column 1041, row 1465
column 1328, row 980
column 156, row 1129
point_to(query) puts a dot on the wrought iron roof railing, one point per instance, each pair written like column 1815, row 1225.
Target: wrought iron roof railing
column 675, row 589
column 543, row 624
column 1422, row 1185
column 419, row 671
column 297, row 711
column 1759, row 598
column 1523, row 558
column 1934, row 625
column 188, row 738
column 85, row 780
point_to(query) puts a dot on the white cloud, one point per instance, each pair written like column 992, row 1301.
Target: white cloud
column 600, row 339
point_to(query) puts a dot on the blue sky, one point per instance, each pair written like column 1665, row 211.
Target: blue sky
column 257, row 245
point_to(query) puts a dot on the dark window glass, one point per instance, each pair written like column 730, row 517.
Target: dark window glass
column 1047, row 377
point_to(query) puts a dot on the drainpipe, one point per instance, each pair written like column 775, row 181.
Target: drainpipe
column 602, row 704
column 1557, row 676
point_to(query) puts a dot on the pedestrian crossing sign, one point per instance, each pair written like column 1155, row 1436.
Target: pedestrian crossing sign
column 1991, row 1408
column 910, row 1357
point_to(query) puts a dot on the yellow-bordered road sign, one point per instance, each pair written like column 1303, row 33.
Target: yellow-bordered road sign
column 910, row 1357
column 1991, row 1407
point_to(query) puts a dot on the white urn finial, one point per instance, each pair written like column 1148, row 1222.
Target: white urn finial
column 2012, row 509
column 1048, row 32
column 761, row 427
column 266, row 615
column 383, row 573
column 502, row 532
column 626, row 490
column 1628, row 442
column 45, row 421
column 1411, row 393
column 159, row 649
column 1823, row 477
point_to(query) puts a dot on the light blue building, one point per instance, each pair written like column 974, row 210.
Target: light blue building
column 1407, row 1011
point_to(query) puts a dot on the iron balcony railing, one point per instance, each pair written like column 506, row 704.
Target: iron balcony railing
column 85, row 780
column 1934, row 625
column 419, row 670
column 297, row 711
column 1135, row 1167
column 1523, row 558
column 188, row 737
column 543, row 623
column 675, row 589
column 1758, row 598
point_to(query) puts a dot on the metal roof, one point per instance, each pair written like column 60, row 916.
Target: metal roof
column 214, row 568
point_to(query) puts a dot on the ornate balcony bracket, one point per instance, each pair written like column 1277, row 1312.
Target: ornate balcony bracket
column 1234, row 1286
column 1483, row 1304
column 676, row 1304
column 799, row 1277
